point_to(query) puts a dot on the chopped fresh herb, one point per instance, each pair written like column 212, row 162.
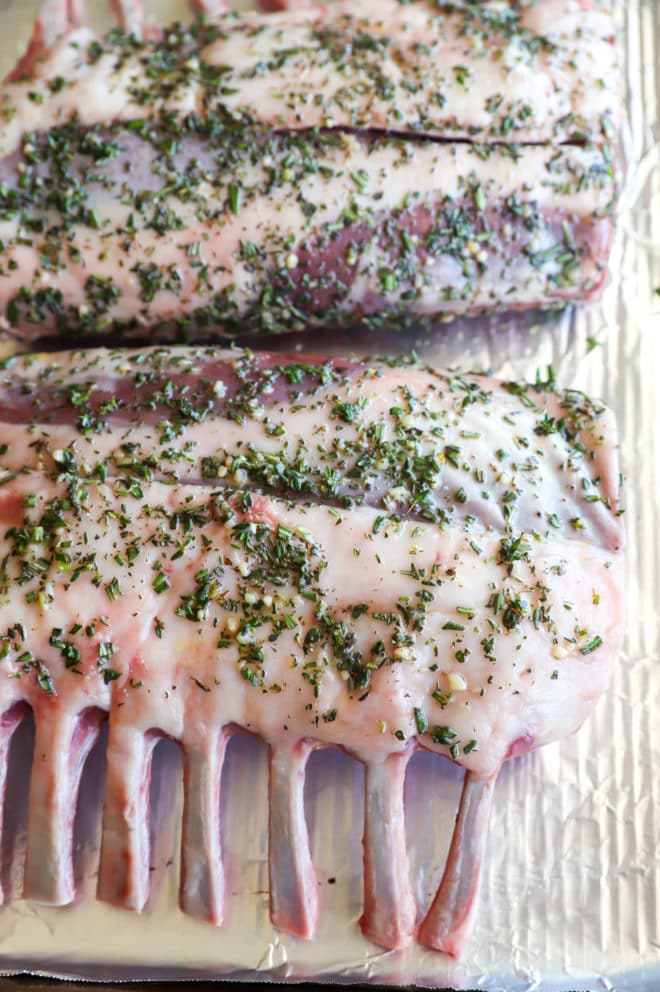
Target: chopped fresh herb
column 420, row 721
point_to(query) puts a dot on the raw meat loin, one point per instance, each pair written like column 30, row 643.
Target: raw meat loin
column 530, row 73
column 306, row 168
column 400, row 436
column 180, row 536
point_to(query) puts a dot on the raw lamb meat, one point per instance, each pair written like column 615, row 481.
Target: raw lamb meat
column 311, row 167
column 180, row 535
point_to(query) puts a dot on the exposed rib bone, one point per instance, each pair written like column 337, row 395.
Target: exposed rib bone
column 130, row 14
column 390, row 909
column 293, row 884
column 131, row 17
column 202, row 875
column 55, row 19
column 9, row 722
column 61, row 747
column 209, row 8
column 447, row 924
column 124, row 868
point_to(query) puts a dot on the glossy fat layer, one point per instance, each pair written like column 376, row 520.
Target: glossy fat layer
column 178, row 608
column 407, row 439
column 525, row 73
column 468, row 609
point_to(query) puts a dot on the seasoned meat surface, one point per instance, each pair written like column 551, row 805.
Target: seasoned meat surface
column 306, row 168
column 369, row 555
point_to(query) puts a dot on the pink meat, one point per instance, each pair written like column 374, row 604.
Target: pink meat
column 359, row 555
column 301, row 169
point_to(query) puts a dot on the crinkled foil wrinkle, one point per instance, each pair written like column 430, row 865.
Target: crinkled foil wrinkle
column 571, row 889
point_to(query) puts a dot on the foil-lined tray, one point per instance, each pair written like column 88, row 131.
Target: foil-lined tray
column 570, row 897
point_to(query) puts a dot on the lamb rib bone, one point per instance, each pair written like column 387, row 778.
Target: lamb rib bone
column 62, row 745
column 448, row 923
column 390, row 909
column 202, row 875
column 11, row 718
column 124, row 867
column 293, row 884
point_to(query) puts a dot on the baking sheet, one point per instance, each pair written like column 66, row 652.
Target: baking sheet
column 571, row 890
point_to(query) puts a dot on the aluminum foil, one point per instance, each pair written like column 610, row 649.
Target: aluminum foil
column 570, row 897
